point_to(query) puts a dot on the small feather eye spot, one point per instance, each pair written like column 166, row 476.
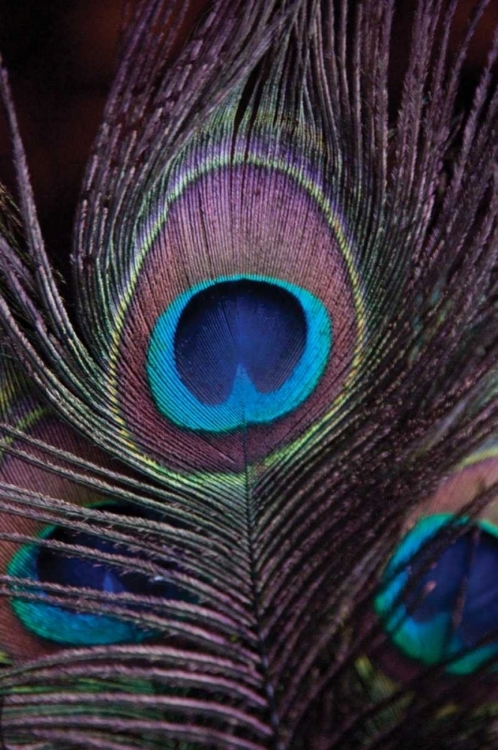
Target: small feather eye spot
column 47, row 569
column 241, row 350
column 438, row 600
column 25, row 518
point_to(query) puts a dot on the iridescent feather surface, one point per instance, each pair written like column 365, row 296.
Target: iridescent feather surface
column 248, row 458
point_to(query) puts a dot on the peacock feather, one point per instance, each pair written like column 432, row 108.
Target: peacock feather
column 249, row 462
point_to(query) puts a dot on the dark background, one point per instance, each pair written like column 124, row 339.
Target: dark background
column 60, row 55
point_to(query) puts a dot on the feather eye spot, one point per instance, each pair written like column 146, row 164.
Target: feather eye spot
column 439, row 598
column 237, row 351
column 250, row 265
column 55, row 564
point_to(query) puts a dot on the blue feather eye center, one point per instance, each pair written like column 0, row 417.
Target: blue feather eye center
column 440, row 599
column 237, row 351
column 239, row 329
column 59, row 567
column 49, row 565
column 467, row 570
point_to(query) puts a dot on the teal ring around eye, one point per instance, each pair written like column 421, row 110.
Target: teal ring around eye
column 177, row 403
column 64, row 626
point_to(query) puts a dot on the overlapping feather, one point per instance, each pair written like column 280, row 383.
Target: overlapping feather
column 281, row 535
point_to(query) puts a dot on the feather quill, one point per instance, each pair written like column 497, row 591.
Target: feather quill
column 282, row 358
